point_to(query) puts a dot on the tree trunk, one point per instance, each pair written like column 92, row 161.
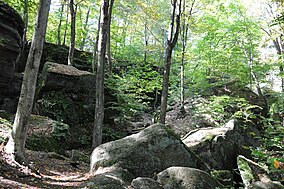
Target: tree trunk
column 108, row 38
column 66, row 26
column 17, row 140
column 171, row 42
column 183, row 41
column 146, row 41
column 95, row 52
column 58, row 41
column 278, row 44
column 26, row 21
column 73, row 33
column 85, row 30
column 99, row 108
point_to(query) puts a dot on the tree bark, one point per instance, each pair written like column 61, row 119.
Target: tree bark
column 95, row 52
column 171, row 42
column 99, row 107
column 108, row 38
column 59, row 25
column 184, row 35
column 66, row 26
column 73, row 33
column 26, row 21
column 17, row 140
column 85, row 33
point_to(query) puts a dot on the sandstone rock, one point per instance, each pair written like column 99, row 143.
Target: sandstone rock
column 115, row 179
column 265, row 185
column 219, row 147
column 71, row 92
column 186, row 178
column 145, row 183
column 145, row 153
column 11, row 32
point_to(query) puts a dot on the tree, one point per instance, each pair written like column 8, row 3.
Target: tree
column 73, row 11
column 85, row 29
column 171, row 42
column 58, row 41
column 184, row 35
column 102, row 40
column 108, row 38
column 17, row 140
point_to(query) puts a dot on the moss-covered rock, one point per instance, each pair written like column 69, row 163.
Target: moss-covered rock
column 145, row 153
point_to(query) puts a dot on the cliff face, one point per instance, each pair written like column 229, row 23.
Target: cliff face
column 11, row 32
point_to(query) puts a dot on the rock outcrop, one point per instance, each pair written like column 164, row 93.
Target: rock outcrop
column 220, row 147
column 144, row 154
column 68, row 90
column 145, row 183
column 58, row 53
column 186, row 178
column 11, row 32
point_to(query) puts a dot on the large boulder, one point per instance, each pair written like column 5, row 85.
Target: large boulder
column 219, row 147
column 58, row 53
column 11, row 32
column 186, row 178
column 114, row 179
column 68, row 90
column 144, row 154
column 145, row 183
column 71, row 92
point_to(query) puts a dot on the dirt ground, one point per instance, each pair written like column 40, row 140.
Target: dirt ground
column 48, row 172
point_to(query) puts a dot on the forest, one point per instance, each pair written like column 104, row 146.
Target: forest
column 144, row 94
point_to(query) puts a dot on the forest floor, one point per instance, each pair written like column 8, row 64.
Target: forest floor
column 50, row 172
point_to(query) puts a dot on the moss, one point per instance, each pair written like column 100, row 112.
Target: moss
column 209, row 137
column 44, row 143
column 170, row 131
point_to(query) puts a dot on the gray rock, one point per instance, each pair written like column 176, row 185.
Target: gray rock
column 219, row 147
column 145, row 183
column 115, row 179
column 265, row 185
column 145, row 153
column 186, row 178
column 11, row 32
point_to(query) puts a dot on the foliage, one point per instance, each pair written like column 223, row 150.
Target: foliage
column 272, row 149
column 133, row 86
column 62, row 107
column 222, row 108
column 60, row 130
column 110, row 135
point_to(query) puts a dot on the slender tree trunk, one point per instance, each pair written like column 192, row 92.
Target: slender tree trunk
column 17, row 140
column 26, row 21
column 85, row 29
column 59, row 25
column 183, row 41
column 184, row 35
column 66, row 26
column 146, row 40
column 171, row 42
column 73, row 33
column 95, row 52
column 108, row 38
column 278, row 44
column 99, row 108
